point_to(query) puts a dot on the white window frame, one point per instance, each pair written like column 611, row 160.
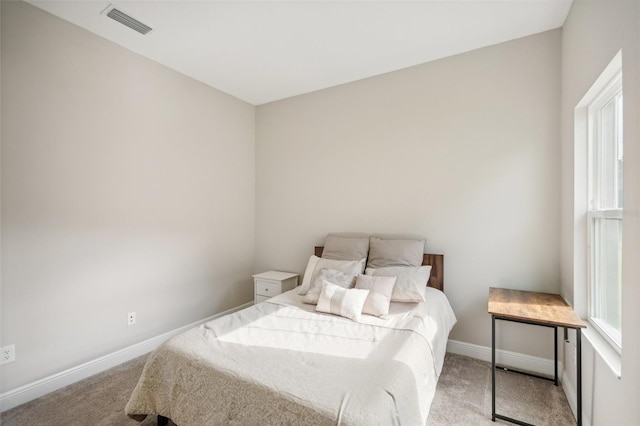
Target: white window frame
column 595, row 211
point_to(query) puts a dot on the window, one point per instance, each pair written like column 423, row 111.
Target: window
column 604, row 215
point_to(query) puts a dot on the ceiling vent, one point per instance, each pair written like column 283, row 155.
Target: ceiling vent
column 127, row 20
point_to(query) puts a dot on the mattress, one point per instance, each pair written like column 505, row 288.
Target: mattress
column 281, row 362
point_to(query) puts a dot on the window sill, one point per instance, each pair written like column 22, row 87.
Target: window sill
column 608, row 354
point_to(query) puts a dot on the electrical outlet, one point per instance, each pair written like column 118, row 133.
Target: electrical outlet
column 131, row 318
column 7, row 354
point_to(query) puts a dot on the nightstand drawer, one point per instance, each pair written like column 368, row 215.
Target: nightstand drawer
column 267, row 288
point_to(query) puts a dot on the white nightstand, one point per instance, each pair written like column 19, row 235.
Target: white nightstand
column 272, row 283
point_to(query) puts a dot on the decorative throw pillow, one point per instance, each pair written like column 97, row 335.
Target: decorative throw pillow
column 380, row 290
column 308, row 272
column 410, row 281
column 348, row 267
column 340, row 301
column 383, row 253
column 331, row 275
column 345, row 248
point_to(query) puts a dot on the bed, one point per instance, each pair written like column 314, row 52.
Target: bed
column 282, row 362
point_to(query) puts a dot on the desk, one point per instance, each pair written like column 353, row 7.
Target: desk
column 543, row 309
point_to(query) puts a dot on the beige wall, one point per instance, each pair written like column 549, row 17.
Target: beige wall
column 464, row 151
column 593, row 33
column 125, row 187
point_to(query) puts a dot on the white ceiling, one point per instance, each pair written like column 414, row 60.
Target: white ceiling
column 261, row 51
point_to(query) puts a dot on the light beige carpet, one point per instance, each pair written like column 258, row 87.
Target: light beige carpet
column 463, row 397
column 96, row 401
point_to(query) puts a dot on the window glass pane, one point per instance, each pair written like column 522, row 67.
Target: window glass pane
column 619, row 148
column 607, row 270
column 608, row 157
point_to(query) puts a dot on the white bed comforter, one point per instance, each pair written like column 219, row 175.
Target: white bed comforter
column 280, row 362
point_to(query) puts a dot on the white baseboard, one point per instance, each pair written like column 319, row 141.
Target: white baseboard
column 571, row 394
column 34, row 390
column 507, row 358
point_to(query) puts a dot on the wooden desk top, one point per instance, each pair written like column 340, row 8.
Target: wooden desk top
column 543, row 308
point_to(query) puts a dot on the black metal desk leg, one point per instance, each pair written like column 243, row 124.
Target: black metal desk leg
column 579, row 372
column 555, row 355
column 493, row 368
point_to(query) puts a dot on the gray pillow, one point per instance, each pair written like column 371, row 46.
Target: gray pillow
column 383, row 253
column 348, row 267
column 334, row 277
column 345, row 248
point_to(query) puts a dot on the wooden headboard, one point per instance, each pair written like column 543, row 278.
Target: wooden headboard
column 435, row 260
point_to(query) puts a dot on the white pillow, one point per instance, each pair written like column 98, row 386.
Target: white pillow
column 331, row 275
column 380, row 290
column 349, row 267
column 308, row 272
column 340, row 301
column 410, row 283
